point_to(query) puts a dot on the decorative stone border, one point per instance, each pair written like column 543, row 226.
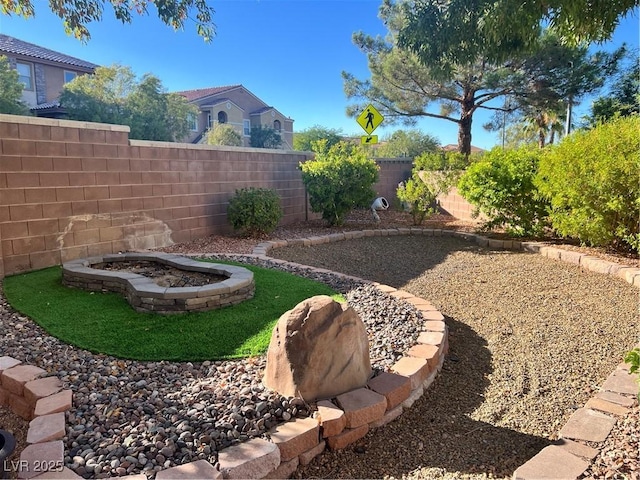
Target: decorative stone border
column 350, row 416
column 144, row 295
column 32, row 395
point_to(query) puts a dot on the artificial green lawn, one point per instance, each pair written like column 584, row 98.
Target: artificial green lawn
column 106, row 323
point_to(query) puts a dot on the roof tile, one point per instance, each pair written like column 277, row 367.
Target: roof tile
column 19, row 47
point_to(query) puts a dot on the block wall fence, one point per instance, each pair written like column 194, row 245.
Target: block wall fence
column 71, row 189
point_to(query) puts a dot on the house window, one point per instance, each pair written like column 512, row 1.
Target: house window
column 209, row 121
column 276, row 126
column 222, row 117
column 68, row 76
column 25, row 75
column 193, row 122
column 247, row 127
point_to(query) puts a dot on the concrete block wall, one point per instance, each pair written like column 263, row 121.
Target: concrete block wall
column 392, row 172
column 70, row 190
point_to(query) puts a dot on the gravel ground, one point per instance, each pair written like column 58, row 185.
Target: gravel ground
column 530, row 341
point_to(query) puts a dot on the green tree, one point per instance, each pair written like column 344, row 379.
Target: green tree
column 10, row 90
column 114, row 95
column 265, row 137
column 340, row 178
column 622, row 100
column 459, row 31
column 304, row 139
column 224, row 134
column 407, row 143
column 77, row 14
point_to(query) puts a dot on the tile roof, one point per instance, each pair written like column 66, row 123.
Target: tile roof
column 261, row 110
column 192, row 95
column 18, row 47
column 44, row 106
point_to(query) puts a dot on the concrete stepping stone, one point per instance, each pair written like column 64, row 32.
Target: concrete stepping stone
column 617, row 399
column 253, row 459
column 577, row 449
column 589, row 425
column 621, row 381
column 331, row 418
column 200, row 469
column 596, row 403
column 553, row 462
column 294, row 438
column 362, row 406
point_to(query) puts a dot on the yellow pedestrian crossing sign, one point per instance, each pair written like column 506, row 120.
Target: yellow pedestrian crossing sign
column 369, row 139
column 369, row 119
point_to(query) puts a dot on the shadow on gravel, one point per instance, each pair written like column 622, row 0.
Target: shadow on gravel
column 438, row 431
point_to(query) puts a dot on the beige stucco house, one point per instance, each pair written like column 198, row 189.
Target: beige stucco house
column 43, row 72
column 236, row 106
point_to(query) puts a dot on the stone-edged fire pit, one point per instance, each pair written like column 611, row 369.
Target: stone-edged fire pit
column 227, row 284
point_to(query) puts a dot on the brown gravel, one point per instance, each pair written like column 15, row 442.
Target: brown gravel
column 530, row 341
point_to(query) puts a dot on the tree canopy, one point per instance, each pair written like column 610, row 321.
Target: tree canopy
column 446, row 32
column 304, row 139
column 224, row 134
column 114, row 95
column 407, row 143
column 10, row 90
column 265, row 137
column 77, row 14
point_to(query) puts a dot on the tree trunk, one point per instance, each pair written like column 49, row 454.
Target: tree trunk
column 467, row 106
column 541, row 137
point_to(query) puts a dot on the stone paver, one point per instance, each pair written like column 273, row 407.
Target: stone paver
column 306, row 457
column 285, row 469
column 58, row 402
column 415, row 368
column 45, row 456
column 416, row 393
column 395, row 388
column 552, row 462
column 294, row 438
column 577, row 449
column 20, row 406
column 432, row 315
column 434, row 325
column 13, row 379
column 46, row 428
column 362, row 406
column 200, row 469
column 617, row 399
column 596, row 403
column 8, row 362
column 431, row 338
column 347, row 437
column 253, row 459
column 428, row 352
column 331, row 418
column 620, row 381
column 589, row 425
column 390, row 416
column 40, row 388
column 4, row 397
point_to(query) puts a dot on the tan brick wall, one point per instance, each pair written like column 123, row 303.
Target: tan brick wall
column 73, row 189
column 392, row 172
column 453, row 204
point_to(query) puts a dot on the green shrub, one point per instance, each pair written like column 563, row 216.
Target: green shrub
column 224, row 134
column 500, row 186
column 340, row 178
column 445, row 169
column 592, row 181
column 419, row 198
column 254, row 211
column 632, row 357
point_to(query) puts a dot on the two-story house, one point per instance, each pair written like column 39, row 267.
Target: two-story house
column 236, row 106
column 43, row 72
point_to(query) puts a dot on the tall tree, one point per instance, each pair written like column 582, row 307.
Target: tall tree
column 11, row 90
column 446, row 32
column 265, row 137
column 114, row 95
column 77, row 14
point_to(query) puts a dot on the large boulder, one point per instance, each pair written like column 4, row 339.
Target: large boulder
column 318, row 350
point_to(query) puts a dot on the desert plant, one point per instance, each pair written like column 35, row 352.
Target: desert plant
column 592, row 181
column 418, row 197
column 254, row 211
column 340, row 178
column 500, row 186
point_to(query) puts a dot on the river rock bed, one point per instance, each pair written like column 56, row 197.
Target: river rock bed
column 130, row 417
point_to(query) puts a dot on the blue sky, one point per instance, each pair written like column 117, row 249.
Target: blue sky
column 290, row 53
